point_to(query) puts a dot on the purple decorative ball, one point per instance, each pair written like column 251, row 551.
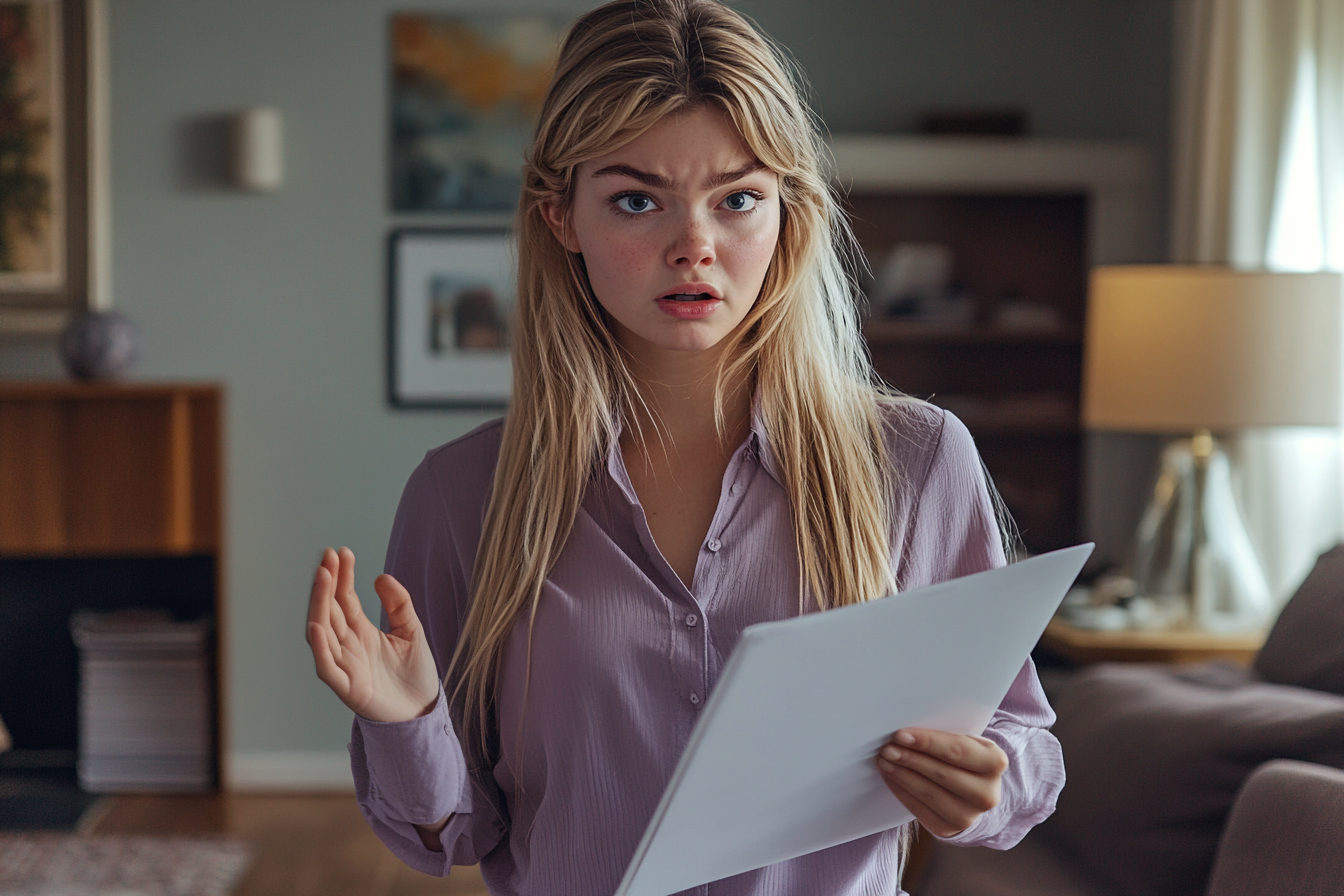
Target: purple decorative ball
column 100, row 345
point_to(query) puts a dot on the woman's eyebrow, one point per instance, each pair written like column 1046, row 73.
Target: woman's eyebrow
column 724, row 178
column 657, row 181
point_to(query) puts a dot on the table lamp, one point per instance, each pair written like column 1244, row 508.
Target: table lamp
column 1198, row 351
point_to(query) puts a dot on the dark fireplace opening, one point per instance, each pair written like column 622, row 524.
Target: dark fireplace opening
column 39, row 665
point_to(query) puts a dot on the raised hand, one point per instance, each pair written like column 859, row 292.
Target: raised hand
column 383, row 676
column 946, row 780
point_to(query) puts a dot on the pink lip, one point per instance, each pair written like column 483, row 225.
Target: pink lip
column 684, row 310
column 691, row 289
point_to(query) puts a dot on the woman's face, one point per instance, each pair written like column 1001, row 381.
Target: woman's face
column 677, row 229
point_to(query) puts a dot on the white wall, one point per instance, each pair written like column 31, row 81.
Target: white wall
column 281, row 297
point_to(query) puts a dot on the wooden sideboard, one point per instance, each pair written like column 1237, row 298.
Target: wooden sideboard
column 123, row 480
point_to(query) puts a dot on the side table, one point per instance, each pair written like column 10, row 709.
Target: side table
column 1084, row 646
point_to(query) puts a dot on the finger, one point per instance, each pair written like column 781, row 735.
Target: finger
column 319, row 601
column 397, row 604
column 322, row 607
column 977, row 755
column 979, row 791
column 346, row 598
column 923, row 813
column 336, row 621
column 944, row 812
column 328, row 671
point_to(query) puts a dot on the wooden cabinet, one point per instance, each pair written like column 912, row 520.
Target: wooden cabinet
column 111, row 495
column 109, row 469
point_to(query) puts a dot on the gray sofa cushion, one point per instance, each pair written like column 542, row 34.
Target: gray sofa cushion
column 1306, row 645
column 1285, row 834
column 1155, row 756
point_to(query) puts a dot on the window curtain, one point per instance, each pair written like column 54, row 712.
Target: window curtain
column 1258, row 182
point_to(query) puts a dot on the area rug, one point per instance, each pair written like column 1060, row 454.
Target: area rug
column 41, row 864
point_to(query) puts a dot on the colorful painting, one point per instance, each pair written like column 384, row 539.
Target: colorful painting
column 31, row 219
column 466, row 90
column 450, row 302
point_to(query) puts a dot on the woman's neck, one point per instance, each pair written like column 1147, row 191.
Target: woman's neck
column 677, row 391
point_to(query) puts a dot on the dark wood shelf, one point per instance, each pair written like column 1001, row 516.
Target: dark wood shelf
column 1025, row 428
column 907, row 332
column 1017, row 387
column 1036, row 415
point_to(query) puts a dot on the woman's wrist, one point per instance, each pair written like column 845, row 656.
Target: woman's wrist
column 399, row 717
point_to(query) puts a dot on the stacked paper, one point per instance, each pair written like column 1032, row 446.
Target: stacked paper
column 145, row 711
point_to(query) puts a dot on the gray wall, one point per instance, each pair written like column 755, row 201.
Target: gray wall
column 281, row 297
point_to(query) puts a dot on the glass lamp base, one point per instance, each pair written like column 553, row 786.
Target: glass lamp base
column 1194, row 556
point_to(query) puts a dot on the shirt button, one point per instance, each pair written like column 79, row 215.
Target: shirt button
column 695, row 698
column 691, row 620
column 736, row 489
column 714, row 545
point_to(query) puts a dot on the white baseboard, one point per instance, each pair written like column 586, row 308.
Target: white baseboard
column 289, row 770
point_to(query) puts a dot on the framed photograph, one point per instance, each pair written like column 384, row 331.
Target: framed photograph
column 451, row 299
column 466, row 90
column 44, row 157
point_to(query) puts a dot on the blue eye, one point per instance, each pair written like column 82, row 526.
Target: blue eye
column 741, row 201
column 633, row 203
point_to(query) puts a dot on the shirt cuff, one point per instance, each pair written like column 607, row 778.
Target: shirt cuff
column 1030, row 786
column 416, row 768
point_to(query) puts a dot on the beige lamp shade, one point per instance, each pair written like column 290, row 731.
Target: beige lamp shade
column 1175, row 348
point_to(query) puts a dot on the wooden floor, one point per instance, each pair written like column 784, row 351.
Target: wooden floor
column 304, row 845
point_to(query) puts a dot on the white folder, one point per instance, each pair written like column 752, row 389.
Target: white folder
column 782, row 761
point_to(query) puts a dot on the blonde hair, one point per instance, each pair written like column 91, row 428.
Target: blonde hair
column 624, row 67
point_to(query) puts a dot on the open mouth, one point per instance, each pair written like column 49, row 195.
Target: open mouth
column 689, row 297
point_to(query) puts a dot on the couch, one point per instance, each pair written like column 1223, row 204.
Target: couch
column 1157, row 755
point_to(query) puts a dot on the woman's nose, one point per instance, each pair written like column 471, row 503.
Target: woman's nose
column 693, row 246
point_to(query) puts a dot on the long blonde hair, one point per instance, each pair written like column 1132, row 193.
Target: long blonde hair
column 622, row 68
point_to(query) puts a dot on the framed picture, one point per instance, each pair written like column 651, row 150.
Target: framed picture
column 44, row 154
column 466, row 90
column 451, row 298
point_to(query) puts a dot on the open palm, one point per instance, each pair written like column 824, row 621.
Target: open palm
column 383, row 676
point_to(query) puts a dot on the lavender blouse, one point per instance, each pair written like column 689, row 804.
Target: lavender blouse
column 624, row 656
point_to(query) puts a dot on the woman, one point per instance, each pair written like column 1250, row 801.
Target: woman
column 694, row 444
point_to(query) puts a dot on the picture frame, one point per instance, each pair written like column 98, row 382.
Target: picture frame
column 451, row 298
column 466, row 87
column 47, row 50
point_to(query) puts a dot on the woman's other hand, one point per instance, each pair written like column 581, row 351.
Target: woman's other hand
column 947, row 780
column 383, row 676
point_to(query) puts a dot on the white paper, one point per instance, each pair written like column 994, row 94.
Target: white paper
column 781, row 762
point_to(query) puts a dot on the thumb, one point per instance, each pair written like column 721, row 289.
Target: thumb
column 396, row 602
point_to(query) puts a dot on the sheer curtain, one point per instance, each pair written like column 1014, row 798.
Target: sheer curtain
column 1258, row 176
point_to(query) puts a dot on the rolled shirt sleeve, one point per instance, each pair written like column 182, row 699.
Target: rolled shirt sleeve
column 409, row 773
column 1035, row 774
